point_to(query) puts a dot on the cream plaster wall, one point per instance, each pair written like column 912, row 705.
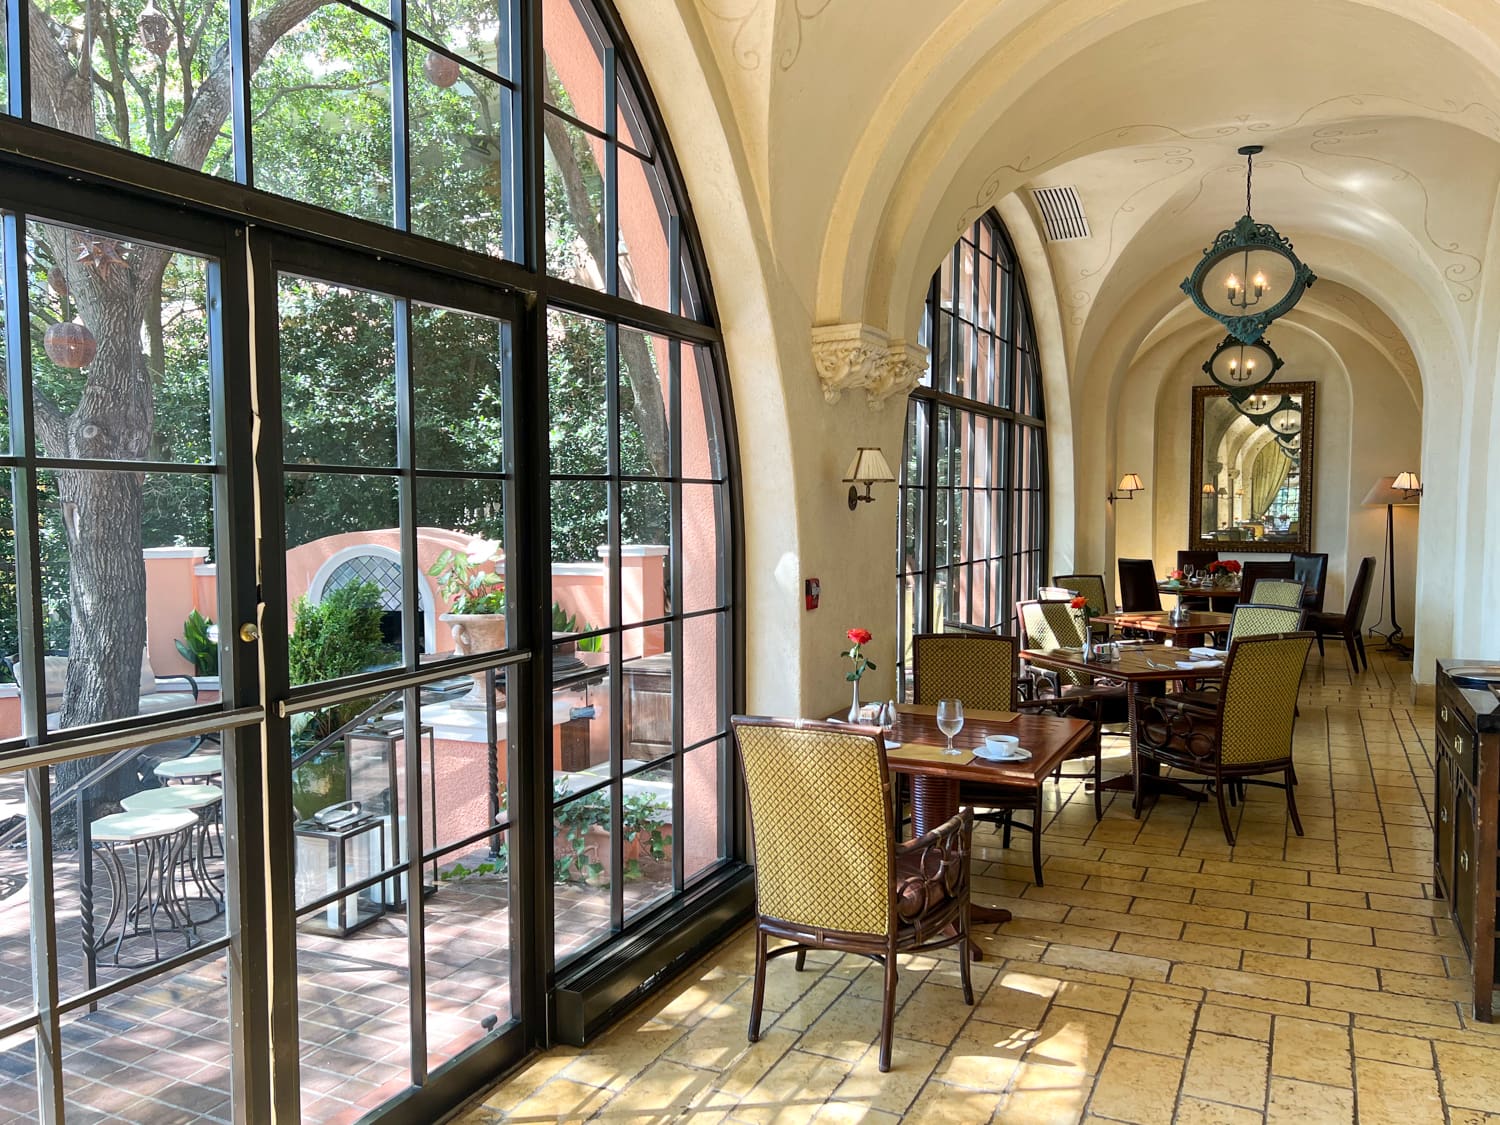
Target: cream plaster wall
column 833, row 152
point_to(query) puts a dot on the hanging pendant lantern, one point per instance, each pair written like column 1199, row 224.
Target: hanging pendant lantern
column 1249, row 276
column 70, row 344
column 57, row 281
column 154, row 30
column 440, row 70
column 1282, row 416
column 1238, row 366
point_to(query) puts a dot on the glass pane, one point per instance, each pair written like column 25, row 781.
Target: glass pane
column 156, row 1052
column 646, row 725
column 702, row 668
column 575, row 203
column 647, row 219
column 15, row 914
column 458, row 153
column 630, row 122
column 466, row 922
column 137, row 98
column 117, row 588
column 702, row 440
column 18, row 1100
column 458, row 372
column 148, row 379
column 469, row 30
column 579, row 514
column 645, row 564
column 462, row 558
column 580, row 715
column 645, row 404
column 577, row 374
column 343, row 622
column 463, row 772
column 338, row 374
column 702, row 547
column 321, row 106
column 647, row 837
column 701, row 803
column 575, row 65
column 4, row 367
column 583, row 850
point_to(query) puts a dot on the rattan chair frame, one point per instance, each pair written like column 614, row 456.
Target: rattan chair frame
column 942, row 924
column 1087, row 586
column 1277, row 591
column 1167, row 728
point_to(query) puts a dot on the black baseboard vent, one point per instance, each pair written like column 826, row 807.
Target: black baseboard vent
column 593, row 994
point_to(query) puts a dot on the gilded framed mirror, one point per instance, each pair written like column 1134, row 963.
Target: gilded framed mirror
column 1252, row 469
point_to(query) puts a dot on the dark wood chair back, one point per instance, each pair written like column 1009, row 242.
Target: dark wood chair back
column 1196, row 559
column 1312, row 572
column 1359, row 596
column 1138, row 592
column 1255, row 570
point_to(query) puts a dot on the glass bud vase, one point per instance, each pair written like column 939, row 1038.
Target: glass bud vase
column 854, row 706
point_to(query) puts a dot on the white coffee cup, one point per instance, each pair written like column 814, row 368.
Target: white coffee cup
column 1002, row 745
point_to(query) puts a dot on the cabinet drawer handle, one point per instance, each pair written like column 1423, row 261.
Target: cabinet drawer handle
column 1463, row 860
column 1445, row 714
column 1443, row 814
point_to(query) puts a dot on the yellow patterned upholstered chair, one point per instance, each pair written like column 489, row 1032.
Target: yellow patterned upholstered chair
column 1089, row 586
column 984, row 673
column 829, row 873
column 1277, row 591
column 1258, row 620
column 1245, row 732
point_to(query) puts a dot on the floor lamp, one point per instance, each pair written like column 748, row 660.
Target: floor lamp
column 1403, row 490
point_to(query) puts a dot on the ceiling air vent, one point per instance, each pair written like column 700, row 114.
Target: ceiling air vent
column 1062, row 212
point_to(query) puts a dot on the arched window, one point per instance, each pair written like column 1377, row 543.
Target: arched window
column 974, row 469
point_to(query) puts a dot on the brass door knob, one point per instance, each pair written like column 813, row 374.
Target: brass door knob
column 249, row 632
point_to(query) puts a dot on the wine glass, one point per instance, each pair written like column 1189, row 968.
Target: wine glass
column 950, row 720
column 1188, row 571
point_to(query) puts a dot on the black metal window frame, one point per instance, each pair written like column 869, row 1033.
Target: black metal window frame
column 981, row 398
column 44, row 168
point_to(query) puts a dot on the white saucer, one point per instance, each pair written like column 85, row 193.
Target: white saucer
column 1019, row 755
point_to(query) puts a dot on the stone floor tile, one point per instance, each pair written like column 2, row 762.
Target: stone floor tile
column 1235, row 1021
column 1471, row 1075
column 1227, row 1069
column 1302, row 1103
column 1311, row 1051
column 1396, row 1095
column 1158, row 1024
column 1136, row 1086
column 1201, row 1111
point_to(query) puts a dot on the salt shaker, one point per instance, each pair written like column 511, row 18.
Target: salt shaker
column 888, row 718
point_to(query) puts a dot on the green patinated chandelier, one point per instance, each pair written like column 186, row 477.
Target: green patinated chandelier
column 1249, row 276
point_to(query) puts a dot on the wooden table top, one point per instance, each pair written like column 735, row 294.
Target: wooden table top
column 1197, row 623
column 1049, row 738
column 1187, row 590
column 1137, row 663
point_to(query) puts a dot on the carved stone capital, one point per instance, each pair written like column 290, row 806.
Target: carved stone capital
column 897, row 371
column 845, row 356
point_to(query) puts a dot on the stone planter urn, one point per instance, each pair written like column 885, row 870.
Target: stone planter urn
column 475, row 633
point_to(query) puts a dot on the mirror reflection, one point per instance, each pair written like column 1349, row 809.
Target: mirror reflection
column 1252, row 469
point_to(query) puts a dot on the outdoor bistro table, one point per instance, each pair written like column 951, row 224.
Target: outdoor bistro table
column 935, row 775
column 155, row 843
column 1149, row 665
column 1161, row 624
column 204, row 801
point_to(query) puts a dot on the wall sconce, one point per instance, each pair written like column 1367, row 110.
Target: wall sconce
column 868, row 467
column 1129, row 485
column 1409, row 483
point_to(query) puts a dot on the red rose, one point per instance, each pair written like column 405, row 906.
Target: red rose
column 1232, row 566
column 859, row 636
column 1079, row 603
column 1175, row 574
column 1215, row 567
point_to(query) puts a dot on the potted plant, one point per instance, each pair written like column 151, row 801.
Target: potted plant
column 476, row 599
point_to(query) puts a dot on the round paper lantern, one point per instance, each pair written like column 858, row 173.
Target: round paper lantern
column 57, row 281
column 70, row 344
column 440, row 70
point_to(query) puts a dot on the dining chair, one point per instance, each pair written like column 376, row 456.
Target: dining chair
column 984, row 672
column 1246, row 733
column 1090, row 587
column 1248, row 621
column 1138, row 592
column 1312, row 572
column 1276, row 591
column 1350, row 624
column 1197, row 559
column 1253, row 571
column 829, row 873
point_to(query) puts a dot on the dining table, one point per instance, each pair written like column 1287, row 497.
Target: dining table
column 1195, row 624
column 1221, row 596
column 1144, row 669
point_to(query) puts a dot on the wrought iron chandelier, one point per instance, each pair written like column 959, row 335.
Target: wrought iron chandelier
column 1238, row 366
column 1249, row 276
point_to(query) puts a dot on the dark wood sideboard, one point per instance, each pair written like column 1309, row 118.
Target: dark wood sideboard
column 1467, row 811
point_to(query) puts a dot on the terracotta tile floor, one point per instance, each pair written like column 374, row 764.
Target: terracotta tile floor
column 1159, row 976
